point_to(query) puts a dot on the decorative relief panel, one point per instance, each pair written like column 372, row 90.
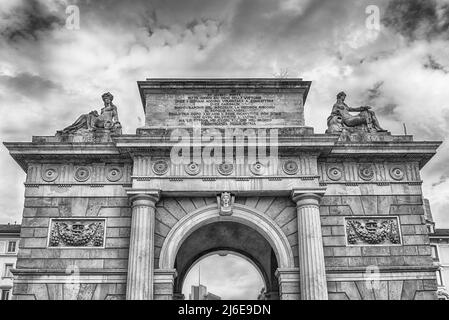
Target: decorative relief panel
column 77, row 233
column 372, row 231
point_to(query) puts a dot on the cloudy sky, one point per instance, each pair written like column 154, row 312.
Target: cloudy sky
column 229, row 277
column 49, row 73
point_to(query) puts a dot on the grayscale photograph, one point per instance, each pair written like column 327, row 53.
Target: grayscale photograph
column 227, row 150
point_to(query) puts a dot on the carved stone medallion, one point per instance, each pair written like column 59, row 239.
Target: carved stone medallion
column 334, row 173
column 114, row 174
column 82, row 174
column 76, row 233
column 257, row 168
column 372, row 231
column 366, row 172
column 160, row 167
column 397, row 173
column 290, row 167
column 225, row 168
column 50, row 174
column 192, row 168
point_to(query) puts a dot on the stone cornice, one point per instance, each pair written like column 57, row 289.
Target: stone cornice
column 124, row 147
column 26, row 152
column 420, row 151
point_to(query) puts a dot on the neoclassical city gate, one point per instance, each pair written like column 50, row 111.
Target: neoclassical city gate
column 224, row 164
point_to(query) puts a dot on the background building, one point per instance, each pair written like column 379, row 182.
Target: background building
column 439, row 245
column 9, row 243
column 200, row 293
column 439, row 241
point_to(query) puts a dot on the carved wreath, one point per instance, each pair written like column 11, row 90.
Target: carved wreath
column 372, row 232
column 77, row 235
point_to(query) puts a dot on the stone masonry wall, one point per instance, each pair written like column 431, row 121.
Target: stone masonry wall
column 84, row 272
column 375, row 192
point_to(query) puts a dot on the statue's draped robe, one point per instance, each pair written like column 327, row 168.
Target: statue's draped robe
column 85, row 121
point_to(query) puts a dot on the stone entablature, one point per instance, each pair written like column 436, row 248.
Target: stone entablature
column 76, row 174
column 357, row 172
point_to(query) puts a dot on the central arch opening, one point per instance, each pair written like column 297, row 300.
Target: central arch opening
column 222, row 245
column 223, row 275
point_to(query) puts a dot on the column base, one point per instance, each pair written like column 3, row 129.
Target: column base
column 164, row 280
column 288, row 284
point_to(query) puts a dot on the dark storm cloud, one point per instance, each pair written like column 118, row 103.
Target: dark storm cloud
column 383, row 106
column 442, row 180
column 432, row 64
column 375, row 91
column 418, row 19
column 29, row 21
column 28, row 85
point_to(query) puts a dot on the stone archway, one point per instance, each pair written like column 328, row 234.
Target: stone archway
column 270, row 249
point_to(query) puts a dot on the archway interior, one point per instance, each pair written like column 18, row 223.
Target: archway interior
column 229, row 237
column 225, row 274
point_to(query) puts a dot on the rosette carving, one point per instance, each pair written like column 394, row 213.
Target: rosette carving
column 82, row 174
column 397, row 173
column 225, row 168
column 50, row 173
column 335, row 173
column 257, row 168
column 114, row 174
column 290, row 167
column 160, row 167
column 192, row 168
column 366, row 172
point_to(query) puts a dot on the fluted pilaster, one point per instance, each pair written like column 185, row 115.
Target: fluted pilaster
column 141, row 247
column 313, row 283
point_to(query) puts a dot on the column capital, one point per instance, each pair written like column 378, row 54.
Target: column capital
column 148, row 197
column 307, row 196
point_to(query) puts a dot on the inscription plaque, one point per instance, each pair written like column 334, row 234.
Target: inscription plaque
column 250, row 105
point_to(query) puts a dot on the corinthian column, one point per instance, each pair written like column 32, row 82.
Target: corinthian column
column 141, row 247
column 313, row 285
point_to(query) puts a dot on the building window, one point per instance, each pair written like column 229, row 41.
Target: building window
column 8, row 273
column 5, row 294
column 439, row 278
column 12, row 246
column 434, row 251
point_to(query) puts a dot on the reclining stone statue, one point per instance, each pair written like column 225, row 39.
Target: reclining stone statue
column 341, row 120
column 108, row 119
